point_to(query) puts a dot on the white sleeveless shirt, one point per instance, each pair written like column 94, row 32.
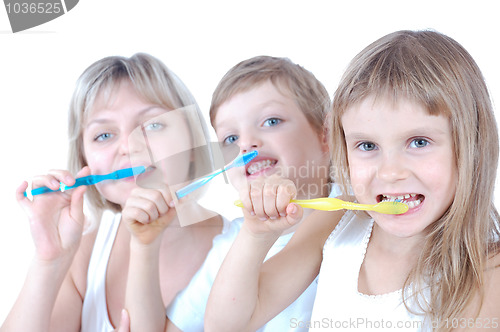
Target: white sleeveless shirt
column 339, row 305
column 95, row 311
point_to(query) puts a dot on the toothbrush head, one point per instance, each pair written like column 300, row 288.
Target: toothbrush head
column 244, row 159
column 391, row 207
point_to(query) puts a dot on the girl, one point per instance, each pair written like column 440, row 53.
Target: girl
column 78, row 283
column 412, row 120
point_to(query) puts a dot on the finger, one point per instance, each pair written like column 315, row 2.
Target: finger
column 285, row 192
column 246, row 200
column 85, row 171
column 47, row 180
column 167, row 197
column 76, row 209
column 21, row 199
column 256, row 196
column 62, row 176
column 294, row 213
column 124, row 322
column 132, row 214
column 269, row 200
column 141, row 209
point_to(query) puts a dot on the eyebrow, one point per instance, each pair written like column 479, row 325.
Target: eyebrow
column 141, row 113
column 263, row 105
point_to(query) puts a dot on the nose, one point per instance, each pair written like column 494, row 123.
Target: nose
column 248, row 141
column 132, row 142
column 392, row 168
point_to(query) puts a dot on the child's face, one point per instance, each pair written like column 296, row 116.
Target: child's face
column 126, row 131
column 400, row 151
column 270, row 122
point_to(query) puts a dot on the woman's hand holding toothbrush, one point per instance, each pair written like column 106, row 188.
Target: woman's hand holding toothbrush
column 56, row 220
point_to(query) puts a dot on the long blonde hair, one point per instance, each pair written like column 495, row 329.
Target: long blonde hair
column 434, row 70
column 152, row 80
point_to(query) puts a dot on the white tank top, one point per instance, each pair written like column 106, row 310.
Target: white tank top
column 95, row 311
column 338, row 304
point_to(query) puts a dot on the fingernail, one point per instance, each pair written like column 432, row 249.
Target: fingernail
column 252, row 213
column 282, row 214
column 171, row 204
column 263, row 219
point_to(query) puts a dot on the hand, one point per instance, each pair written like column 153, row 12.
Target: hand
column 267, row 207
column 147, row 213
column 56, row 219
column 124, row 322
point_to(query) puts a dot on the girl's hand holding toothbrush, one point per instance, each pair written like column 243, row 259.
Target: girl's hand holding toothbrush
column 147, row 213
column 267, row 208
column 56, row 220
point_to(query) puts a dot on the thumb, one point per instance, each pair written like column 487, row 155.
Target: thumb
column 124, row 322
column 76, row 209
column 294, row 213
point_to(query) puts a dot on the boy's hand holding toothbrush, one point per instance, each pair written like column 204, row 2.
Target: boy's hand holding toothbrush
column 147, row 213
column 57, row 220
column 267, row 208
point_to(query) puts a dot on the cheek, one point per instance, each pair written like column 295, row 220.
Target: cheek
column 361, row 175
column 97, row 161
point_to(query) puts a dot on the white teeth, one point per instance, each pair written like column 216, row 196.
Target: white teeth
column 260, row 165
column 402, row 198
column 412, row 204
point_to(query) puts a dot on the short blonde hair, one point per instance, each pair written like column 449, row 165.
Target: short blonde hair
column 289, row 78
column 437, row 72
column 152, row 80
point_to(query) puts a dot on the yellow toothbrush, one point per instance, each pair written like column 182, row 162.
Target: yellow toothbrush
column 333, row 204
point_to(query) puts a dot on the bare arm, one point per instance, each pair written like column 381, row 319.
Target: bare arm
column 56, row 223
column 146, row 214
column 247, row 293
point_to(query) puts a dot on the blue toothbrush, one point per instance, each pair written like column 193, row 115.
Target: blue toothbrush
column 92, row 179
column 237, row 162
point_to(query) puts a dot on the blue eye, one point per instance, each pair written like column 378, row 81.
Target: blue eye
column 272, row 122
column 155, row 126
column 103, row 137
column 230, row 139
column 367, row 146
column 419, row 143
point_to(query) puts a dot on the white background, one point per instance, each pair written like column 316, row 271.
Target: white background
column 199, row 41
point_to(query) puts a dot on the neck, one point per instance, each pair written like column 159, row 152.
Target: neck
column 395, row 246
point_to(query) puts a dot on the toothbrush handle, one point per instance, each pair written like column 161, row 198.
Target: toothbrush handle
column 83, row 181
column 195, row 185
column 330, row 204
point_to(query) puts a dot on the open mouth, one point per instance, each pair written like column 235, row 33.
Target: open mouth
column 260, row 165
column 412, row 200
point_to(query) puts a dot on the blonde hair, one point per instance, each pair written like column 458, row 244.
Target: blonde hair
column 152, row 80
column 309, row 94
column 434, row 70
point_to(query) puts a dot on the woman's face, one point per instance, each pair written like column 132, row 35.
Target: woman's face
column 125, row 131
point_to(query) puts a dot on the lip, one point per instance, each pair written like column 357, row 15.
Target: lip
column 264, row 170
